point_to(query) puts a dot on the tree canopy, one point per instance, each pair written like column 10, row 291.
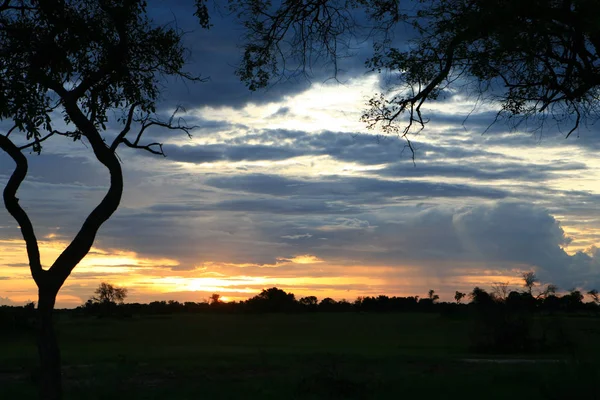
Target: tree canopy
column 108, row 293
column 81, row 60
column 67, row 65
column 538, row 61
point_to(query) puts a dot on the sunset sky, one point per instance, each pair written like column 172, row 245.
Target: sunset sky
column 287, row 188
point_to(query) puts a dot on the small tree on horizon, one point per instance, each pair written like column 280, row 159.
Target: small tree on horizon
column 500, row 291
column 214, row 299
column 108, row 293
column 595, row 295
column 529, row 280
column 431, row 295
column 458, row 296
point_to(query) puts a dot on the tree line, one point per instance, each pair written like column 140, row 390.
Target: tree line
column 109, row 299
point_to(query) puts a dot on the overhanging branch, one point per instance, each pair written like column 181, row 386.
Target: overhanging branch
column 145, row 123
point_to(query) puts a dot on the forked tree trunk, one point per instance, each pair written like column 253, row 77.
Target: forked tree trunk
column 49, row 281
column 50, row 384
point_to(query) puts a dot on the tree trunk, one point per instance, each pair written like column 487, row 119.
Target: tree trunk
column 50, row 379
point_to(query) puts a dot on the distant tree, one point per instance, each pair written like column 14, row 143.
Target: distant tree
column 573, row 300
column 273, row 300
column 481, row 297
column 310, row 302
column 358, row 303
column 529, row 280
column 500, row 291
column 327, row 304
column 520, row 301
column 432, row 296
column 458, row 296
column 344, row 305
column 214, row 299
column 108, row 293
column 594, row 295
column 550, row 290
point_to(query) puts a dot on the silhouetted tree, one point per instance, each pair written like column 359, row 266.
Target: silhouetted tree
column 432, row 296
column 214, row 299
column 273, row 300
column 594, row 295
column 550, row 290
column 309, row 302
column 500, row 291
column 327, row 304
column 73, row 64
column 529, row 280
column 480, row 297
column 107, row 293
column 458, row 296
column 573, row 300
column 520, row 301
column 551, row 70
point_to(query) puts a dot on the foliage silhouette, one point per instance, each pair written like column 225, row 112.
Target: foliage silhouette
column 529, row 280
column 273, row 300
column 83, row 61
column 108, row 293
column 552, row 72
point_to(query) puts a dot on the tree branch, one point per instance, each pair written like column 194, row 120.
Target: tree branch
column 147, row 122
column 12, row 206
column 83, row 241
column 126, row 129
column 37, row 141
column 148, row 147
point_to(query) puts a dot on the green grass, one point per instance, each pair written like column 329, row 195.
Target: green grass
column 305, row 356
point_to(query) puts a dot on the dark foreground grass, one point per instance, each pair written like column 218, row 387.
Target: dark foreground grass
column 307, row 356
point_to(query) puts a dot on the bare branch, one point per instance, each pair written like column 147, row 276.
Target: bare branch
column 149, row 147
column 126, row 129
column 146, row 122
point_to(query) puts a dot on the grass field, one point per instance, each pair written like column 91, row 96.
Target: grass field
column 302, row 356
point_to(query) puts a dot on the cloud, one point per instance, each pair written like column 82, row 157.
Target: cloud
column 296, row 237
column 211, row 153
column 302, row 259
column 338, row 186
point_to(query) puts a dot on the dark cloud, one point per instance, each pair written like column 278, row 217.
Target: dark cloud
column 269, row 205
column 480, row 170
column 335, row 186
column 213, row 153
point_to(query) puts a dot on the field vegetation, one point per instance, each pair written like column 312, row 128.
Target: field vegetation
column 274, row 346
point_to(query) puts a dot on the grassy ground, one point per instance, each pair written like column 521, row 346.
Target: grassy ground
column 306, row 356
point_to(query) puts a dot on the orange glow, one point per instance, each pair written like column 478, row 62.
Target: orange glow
column 304, row 259
column 150, row 279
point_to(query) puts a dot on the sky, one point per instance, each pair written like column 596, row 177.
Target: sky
column 286, row 187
